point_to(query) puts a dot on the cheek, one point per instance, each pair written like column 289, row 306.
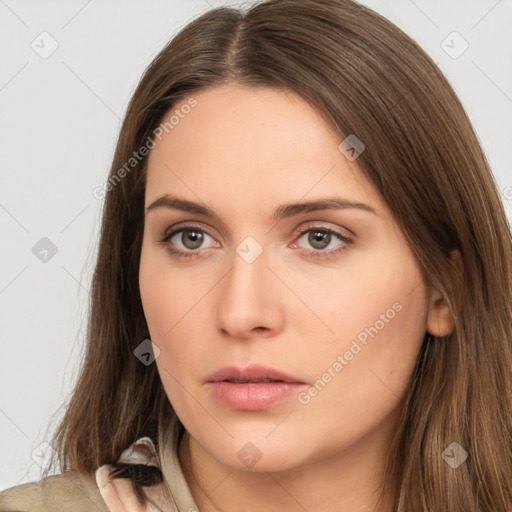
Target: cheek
column 170, row 327
column 168, row 294
column 373, row 299
column 386, row 312
column 359, row 379
column 380, row 296
column 380, row 323
column 173, row 304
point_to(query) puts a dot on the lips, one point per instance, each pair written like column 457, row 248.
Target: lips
column 252, row 374
column 254, row 388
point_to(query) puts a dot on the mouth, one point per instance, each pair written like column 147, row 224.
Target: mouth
column 251, row 381
column 255, row 374
column 254, row 388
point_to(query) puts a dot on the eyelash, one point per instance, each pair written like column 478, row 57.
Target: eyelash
column 314, row 254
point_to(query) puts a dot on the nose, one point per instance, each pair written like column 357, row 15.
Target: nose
column 250, row 299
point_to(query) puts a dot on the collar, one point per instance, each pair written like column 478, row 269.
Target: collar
column 143, row 451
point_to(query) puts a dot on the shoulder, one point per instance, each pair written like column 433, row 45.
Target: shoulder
column 67, row 491
column 72, row 491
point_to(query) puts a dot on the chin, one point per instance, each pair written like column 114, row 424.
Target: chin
column 261, row 455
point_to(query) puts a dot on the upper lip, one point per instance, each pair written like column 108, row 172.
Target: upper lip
column 251, row 373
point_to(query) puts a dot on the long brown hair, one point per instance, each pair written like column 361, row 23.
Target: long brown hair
column 365, row 77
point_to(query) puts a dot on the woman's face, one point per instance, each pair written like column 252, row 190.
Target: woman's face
column 331, row 297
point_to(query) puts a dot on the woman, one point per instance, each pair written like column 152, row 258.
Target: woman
column 302, row 298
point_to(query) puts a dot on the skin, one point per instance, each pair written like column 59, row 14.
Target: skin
column 242, row 152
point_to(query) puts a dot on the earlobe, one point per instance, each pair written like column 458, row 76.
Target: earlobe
column 440, row 320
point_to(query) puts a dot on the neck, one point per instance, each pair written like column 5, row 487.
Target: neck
column 348, row 481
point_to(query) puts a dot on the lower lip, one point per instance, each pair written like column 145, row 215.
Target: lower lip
column 253, row 397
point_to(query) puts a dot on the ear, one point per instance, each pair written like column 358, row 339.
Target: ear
column 440, row 321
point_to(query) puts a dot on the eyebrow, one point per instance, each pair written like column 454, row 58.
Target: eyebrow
column 281, row 212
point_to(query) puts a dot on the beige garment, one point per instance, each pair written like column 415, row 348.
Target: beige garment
column 73, row 492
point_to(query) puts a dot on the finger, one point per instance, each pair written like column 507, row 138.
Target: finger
column 118, row 493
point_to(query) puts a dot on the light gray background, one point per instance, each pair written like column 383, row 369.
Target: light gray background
column 59, row 121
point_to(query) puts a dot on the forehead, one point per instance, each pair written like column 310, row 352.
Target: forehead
column 246, row 120
column 256, row 142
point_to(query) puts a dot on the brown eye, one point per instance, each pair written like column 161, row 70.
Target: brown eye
column 322, row 243
column 319, row 239
column 192, row 238
column 187, row 241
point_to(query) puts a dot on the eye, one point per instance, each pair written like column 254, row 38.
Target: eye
column 326, row 242
column 186, row 240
